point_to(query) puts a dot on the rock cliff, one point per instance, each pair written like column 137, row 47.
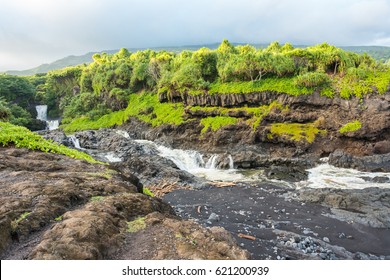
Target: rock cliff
column 54, row 207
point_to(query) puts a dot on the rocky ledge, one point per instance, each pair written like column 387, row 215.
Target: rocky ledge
column 54, row 207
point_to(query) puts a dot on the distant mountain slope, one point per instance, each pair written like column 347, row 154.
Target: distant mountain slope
column 71, row 60
column 377, row 52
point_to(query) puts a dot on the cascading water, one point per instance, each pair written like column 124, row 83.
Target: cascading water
column 212, row 162
column 123, row 133
column 41, row 112
column 193, row 162
column 231, row 162
column 328, row 176
column 75, row 141
column 42, row 115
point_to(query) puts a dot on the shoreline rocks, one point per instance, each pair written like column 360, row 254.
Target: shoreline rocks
column 55, row 207
column 374, row 163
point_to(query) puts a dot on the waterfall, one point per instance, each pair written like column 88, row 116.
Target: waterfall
column 192, row 162
column 75, row 141
column 112, row 157
column 184, row 160
column 212, row 162
column 41, row 112
column 42, row 115
column 123, row 133
column 231, row 162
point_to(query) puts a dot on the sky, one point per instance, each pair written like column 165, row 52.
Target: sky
column 33, row 32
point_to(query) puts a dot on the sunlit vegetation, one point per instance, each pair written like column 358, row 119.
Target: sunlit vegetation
column 350, row 127
column 21, row 137
column 218, row 117
column 115, row 87
column 296, row 131
column 136, row 225
column 215, row 123
column 109, row 82
column 17, row 98
column 144, row 106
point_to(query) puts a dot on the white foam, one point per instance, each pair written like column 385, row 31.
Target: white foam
column 112, row 157
column 328, row 176
column 123, row 133
column 193, row 162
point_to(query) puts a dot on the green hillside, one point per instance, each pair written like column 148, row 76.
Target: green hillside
column 377, row 52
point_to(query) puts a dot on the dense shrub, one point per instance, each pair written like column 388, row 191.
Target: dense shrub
column 312, row 79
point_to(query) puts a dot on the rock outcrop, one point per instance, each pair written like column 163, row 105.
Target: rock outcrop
column 374, row 163
column 370, row 206
column 328, row 115
column 55, row 207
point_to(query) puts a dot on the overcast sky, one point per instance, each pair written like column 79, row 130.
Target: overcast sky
column 33, row 32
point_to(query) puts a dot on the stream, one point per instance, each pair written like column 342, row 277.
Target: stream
column 263, row 214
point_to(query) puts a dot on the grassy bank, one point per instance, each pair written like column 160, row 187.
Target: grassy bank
column 21, row 137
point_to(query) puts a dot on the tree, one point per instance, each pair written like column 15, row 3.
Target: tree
column 207, row 61
column 226, row 48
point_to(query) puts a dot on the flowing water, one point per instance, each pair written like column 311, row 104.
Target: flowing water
column 321, row 176
column 194, row 163
column 42, row 115
column 328, row 176
column 75, row 141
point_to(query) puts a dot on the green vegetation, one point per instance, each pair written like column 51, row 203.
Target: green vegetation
column 108, row 84
column 136, row 225
column 15, row 223
column 280, row 85
column 17, row 98
column 85, row 123
column 21, row 137
column 115, row 87
column 147, row 192
column 351, row 127
column 219, row 116
column 296, row 131
column 216, row 123
column 312, row 80
column 59, row 218
column 96, row 198
column 144, row 106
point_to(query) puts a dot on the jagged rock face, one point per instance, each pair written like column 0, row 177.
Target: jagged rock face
column 54, row 207
column 45, row 186
column 370, row 206
column 372, row 111
column 174, row 239
column 96, row 230
column 374, row 163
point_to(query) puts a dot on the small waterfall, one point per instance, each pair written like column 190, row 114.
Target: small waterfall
column 184, row 160
column 42, row 115
column 112, row 157
column 52, row 125
column 123, row 133
column 41, row 112
column 231, row 162
column 192, row 162
column 75, row 141
column 212, row 162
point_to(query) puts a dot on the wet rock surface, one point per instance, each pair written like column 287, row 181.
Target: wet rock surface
column 169, row 238
column 375, row 163
column 272, row 223
column 54, row 207
column 370, row 206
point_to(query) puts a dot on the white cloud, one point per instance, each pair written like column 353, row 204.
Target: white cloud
column 48, row 29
